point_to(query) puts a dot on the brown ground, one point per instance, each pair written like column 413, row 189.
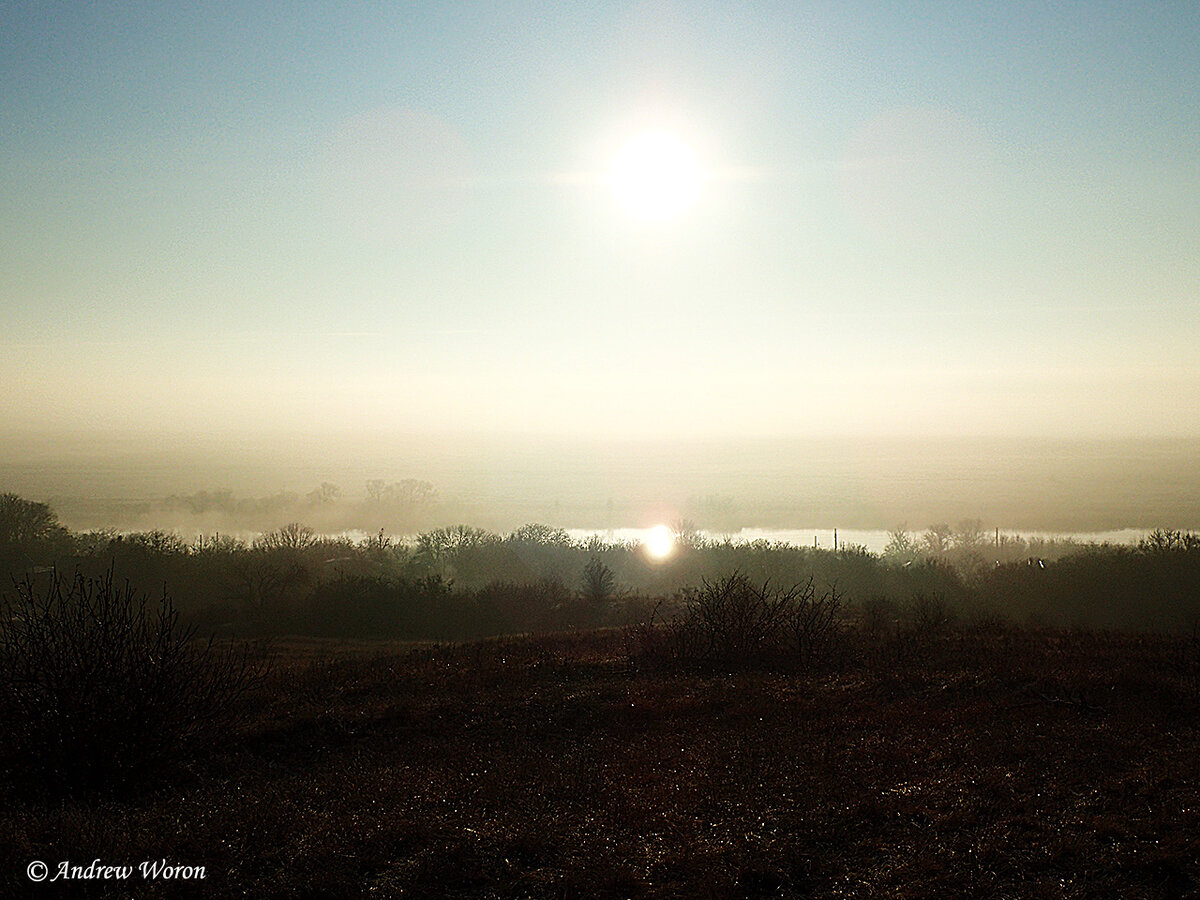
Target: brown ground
column 981, row 763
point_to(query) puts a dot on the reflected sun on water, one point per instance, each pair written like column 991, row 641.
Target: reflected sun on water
column 660, row 542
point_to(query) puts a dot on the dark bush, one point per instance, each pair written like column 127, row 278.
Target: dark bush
column 928, row 613
column 879, row 614
column 735, row 623
column 599, row 583
column 511, row 608
column 811, row 623
column 731, row 620
column 101, row 688
column 360, row 606
column 24, row 521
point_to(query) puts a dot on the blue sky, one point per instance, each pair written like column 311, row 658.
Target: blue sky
column 920, row 218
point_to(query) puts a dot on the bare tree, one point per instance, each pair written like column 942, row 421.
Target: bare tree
column 325, row 494
column 599, row 582
column 938, row 538
column 25, row 520
column 292, row 536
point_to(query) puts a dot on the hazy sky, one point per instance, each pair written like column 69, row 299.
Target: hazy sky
column 913, row 218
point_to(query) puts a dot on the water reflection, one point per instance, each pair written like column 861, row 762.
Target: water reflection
column 823, row 538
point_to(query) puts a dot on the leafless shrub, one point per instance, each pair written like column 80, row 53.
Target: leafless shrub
column 599, row 582
column 929, row 613
column 100, row 687
column 734, row 623
column 732, row 620
column 879, row 614
column 810, row 622
column 650, row 637
column 262, row 580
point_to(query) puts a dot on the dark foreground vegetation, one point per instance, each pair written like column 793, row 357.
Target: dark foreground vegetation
column 954, row 762
column 790, row 723
column 463, row 583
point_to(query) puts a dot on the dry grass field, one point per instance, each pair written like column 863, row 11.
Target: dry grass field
column 984, row 761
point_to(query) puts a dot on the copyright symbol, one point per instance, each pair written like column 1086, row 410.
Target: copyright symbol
column 37, row 870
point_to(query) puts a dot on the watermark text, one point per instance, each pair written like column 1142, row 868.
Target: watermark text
column 96, row 870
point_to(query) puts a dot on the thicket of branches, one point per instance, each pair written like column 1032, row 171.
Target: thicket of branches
column 733, row 622
column 101, row 687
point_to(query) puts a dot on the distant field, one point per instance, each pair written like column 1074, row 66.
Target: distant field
column 975, row 762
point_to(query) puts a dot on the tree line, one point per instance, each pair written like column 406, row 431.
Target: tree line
column 460, row 582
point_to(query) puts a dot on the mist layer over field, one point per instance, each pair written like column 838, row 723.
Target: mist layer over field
column 877, row 483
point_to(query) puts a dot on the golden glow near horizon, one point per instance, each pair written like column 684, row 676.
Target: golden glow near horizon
column 726, row 224
column 659, row 543
column 656, row 175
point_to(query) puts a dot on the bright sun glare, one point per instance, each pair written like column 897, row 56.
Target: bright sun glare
column 655, row 175
column 659, row 542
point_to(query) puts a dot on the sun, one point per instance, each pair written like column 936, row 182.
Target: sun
column 660, row 542
column 656, row 175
